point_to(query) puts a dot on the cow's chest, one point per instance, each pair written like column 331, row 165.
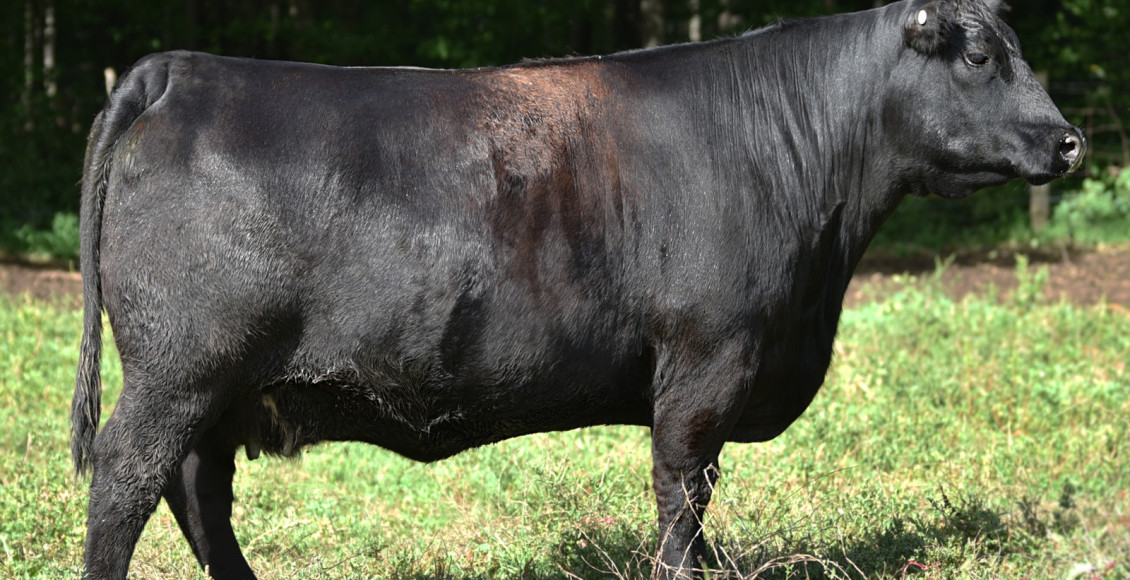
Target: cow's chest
column 791, row 370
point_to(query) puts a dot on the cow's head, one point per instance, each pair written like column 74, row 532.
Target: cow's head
column 966, row 110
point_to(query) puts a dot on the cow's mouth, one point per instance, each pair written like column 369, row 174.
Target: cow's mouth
column 1043, row 178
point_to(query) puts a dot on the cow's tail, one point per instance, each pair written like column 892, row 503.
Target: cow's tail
column 130, row 98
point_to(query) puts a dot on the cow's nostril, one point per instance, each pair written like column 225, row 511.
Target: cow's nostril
column 1069, row 147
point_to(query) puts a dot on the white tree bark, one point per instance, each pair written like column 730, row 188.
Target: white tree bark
column 29, row 62
column 651, row 22
column 50, row 85
column 110, row 77
column 694, row 25
column 29, row 48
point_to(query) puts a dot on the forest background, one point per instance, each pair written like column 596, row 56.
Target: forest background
column 56, row 55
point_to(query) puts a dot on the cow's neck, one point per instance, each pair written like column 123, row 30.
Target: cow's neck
column 816, row 97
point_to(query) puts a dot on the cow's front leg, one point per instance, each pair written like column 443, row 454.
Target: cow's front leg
column 682, row 491
column 696, row 407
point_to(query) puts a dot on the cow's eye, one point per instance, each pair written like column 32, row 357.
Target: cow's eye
column 976, row 58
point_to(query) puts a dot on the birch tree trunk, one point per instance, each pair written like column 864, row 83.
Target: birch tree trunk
column 694, row 25
column 651, row 22
column 50, row 85
column 29, row 62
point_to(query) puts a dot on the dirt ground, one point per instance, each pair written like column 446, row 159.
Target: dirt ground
column 46, row 282
column 1080, row 277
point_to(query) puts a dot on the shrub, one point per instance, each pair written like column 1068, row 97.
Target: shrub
column 1098, row 213
column 61, row 242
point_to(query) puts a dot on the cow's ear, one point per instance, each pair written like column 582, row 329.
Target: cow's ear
column 925, row 29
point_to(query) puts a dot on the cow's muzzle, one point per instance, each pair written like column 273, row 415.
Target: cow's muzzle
column 1067, row 147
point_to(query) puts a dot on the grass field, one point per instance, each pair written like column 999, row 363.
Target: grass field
column 983, row 439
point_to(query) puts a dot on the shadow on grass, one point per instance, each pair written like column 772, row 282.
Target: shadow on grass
column 948, row 535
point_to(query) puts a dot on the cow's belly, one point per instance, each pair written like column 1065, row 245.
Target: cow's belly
column 426, row 414
column 431, row 374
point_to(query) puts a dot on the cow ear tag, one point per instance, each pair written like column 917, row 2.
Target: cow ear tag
column 923, row 35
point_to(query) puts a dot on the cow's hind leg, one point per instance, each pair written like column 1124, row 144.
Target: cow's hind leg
column 136, row 455
column 200, row 496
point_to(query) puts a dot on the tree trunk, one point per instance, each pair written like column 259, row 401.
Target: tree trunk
column 29, row 63
column 651, row 22
column 191, row 19
column 625, row 25
column 50, row 86
column 694, row 24
column 728, row 19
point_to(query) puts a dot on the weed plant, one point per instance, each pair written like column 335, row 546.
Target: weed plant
column 1098, row 213
column 985, row 438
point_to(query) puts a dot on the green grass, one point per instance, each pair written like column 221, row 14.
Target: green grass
column 987, row 438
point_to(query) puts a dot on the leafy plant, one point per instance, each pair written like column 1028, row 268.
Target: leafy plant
column 1098, row 213
column 60, row 242
column 1030, row 285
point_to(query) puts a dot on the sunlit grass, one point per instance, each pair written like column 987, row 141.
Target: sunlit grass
column 978, row 439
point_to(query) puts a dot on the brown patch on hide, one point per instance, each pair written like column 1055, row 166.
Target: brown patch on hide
column 554, row 163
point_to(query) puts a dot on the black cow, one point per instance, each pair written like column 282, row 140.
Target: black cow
column 432, row 260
